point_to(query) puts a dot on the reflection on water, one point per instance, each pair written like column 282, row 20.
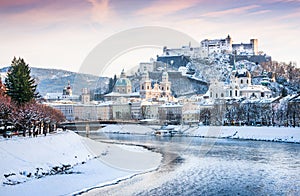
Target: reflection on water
column 229, row 167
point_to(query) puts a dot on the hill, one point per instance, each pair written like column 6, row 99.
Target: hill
column 54, row 80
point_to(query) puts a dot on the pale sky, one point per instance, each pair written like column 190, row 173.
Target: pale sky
column 60, row 33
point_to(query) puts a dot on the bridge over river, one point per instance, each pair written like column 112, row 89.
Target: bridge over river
column 92, row 125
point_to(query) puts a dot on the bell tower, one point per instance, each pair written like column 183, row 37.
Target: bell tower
column 165, row 85
column 145, row 86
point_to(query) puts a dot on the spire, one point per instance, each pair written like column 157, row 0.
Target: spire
column 123, row 75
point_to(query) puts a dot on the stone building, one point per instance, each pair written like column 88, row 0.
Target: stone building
column 217, row 45
column 239, row 86
column 123, row 84
column 157, row 90
column 170, row 113
column 226, row 46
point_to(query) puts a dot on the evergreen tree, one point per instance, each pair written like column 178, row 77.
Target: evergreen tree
column 115, row 79
column 284, row 92
column 111, row 84
column 19, row 84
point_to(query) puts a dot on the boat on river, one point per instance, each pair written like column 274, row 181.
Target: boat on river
column 168, row 131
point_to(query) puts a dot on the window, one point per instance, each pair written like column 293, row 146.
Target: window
column 210, row 94
column 236, row 93
column 143, row 87
column 262, row 94
column 162, row 88
column 222, row 95
column 216, row 95
column 230, row 93
column 147, row 87
column 241, row 81
column 247, row 81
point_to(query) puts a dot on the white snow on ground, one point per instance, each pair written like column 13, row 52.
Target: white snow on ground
column 20, row 158
column 284, row 134
column 128, row 129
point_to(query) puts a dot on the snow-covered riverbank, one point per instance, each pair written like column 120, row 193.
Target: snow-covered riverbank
column 282, row 134
column 65, row 163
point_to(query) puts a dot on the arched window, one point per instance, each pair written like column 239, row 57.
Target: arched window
column 247, row 81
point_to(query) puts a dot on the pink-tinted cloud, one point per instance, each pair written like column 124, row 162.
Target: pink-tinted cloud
column 9, row 3
column 260, row 12
column 292, row 15
column 234, row 11
column 281, row 1
column 42, row 14
column 162, row 7
column 101, row 11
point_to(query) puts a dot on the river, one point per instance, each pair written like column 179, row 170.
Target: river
column 208, row 166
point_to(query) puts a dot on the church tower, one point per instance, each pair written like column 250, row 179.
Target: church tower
column 165, row 85
column 145, row 86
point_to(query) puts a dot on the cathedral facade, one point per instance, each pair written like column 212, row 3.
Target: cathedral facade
column 157, row 90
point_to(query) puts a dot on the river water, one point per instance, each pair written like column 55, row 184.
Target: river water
column 202, row 166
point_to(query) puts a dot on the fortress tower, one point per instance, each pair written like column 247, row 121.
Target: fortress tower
column 254, row 43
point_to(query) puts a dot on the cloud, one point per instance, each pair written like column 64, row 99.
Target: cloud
column 260, row 12
column 292, row 15
column 162, row 7
column 281, row 1
column 34, row 14
column 9, row 3
column 234, row 11
column 101, row 11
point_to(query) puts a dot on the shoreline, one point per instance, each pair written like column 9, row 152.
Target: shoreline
column 164, row 166
column 268, row 134
column 91, row 163
column 102, row 154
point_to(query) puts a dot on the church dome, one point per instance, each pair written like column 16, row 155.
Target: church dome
column 123, row 82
